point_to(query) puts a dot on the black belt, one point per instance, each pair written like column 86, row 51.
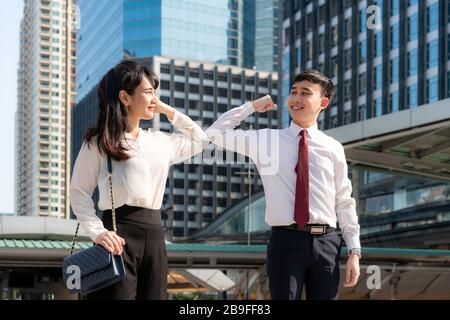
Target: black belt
column 316, row 229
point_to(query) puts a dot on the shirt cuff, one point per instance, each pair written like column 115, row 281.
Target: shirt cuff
column 248, row 109
column 353, row 243
column 176, row 117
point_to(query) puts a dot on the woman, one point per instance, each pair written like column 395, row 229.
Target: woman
column 140, row 165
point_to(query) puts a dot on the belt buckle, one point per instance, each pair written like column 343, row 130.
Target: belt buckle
column 318, row 229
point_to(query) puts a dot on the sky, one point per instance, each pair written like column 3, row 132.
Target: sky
column 10, row 15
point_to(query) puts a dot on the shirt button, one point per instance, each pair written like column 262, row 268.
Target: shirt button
column 142, row 202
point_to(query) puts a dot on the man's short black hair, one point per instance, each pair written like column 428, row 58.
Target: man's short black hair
column 317, row 77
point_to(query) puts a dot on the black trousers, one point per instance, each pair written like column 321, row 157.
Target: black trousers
column 144, row 256
column 296, row 259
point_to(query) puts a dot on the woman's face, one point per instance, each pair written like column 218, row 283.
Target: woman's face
column 143, row 102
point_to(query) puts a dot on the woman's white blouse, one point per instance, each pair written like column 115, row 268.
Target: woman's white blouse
column 139, row 181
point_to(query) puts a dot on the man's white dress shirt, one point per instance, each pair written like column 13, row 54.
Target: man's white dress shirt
column 275, row 154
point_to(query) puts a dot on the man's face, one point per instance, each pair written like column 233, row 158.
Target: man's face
column 305, row 102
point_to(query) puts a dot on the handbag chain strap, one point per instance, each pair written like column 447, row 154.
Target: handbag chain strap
column 113, row 210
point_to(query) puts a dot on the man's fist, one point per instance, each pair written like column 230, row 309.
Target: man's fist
column 264, row 104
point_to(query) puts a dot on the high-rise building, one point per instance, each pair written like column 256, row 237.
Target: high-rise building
column 46, row 94
column 384, row 57
column 220, row 34
column 220, row 31
column 266, row 35
column 197, row 192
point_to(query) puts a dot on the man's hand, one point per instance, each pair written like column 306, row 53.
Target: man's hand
column 351, row 271
column 111, row 242
column 162, row 107
column 263, row 104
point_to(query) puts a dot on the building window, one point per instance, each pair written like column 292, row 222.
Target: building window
column 347, row 90
column 334, row 36
column 309, row 50
column 378, row 38
column 165, row 68
column 412, row 62
column 432, row 89
column 433, row 17
column 362, row 51
column 333, row 121
column 347, row 117
column 223, row 77
column 377, row 77
column 165, row 85
column 361, row 84
column 362, row 112
column 178, row 232
column 208, row 91
column 179, row 86
column 348, row 29
column 394, row 65
column 321, row 43
column 179, row 103
column 322, row 14
column 193, row 73
column 378, row 107
column 432, row 54
column 208, row 75
column 348, row 58
column 393, row 97
column 395, row 36
column 412, row 95
column 179, row 70
column 362, row 20
column 413, row 27
column 395, row 6
column 309, row 22
column 222, row 92
column 194, row 88
column 334, row 66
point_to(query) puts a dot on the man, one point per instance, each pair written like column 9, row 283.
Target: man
column 307, row 191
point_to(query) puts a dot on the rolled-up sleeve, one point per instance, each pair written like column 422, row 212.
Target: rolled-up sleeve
column 82, row 185
column 345, row 204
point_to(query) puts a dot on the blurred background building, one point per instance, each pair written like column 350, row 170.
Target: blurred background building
column 218, row 56
column 46, row 92
column 389, row 61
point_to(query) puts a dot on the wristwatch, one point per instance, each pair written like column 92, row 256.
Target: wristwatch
column 356, row 251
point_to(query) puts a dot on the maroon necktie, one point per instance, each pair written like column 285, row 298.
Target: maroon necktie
column 301, row 213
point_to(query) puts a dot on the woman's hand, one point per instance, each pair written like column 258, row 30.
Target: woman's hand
column 164, row 108
column 111, row 242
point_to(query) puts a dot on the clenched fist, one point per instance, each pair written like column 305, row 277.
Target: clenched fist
column 264, row 104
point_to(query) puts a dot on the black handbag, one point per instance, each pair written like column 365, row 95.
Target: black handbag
column 94, row 268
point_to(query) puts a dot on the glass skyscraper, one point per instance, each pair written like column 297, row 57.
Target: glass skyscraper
column 211, row 31
column 384, row 58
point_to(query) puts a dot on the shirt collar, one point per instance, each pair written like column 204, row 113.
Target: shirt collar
column 129, row 136
column 295, row 129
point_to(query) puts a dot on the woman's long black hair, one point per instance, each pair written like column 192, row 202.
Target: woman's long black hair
column 112, row 117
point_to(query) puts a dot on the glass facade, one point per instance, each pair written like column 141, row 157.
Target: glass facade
column 96, row 54
column 220, row 31
column 205, row 31
column 399, row 63
column 266, row 35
